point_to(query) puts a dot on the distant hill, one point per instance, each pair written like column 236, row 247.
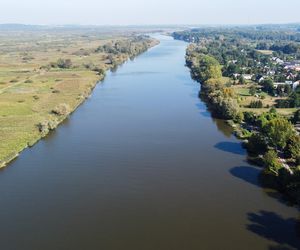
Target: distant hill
column 16, row 26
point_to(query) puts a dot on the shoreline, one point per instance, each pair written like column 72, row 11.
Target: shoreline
column 87, row 93
column 268, row 178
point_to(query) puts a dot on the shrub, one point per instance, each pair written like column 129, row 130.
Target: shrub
column 283, row 103
column 256, row 104
column 239, row 117
column 249, row 117
column 271, row 162
column 279, row 131
column 257, row 144
column 292, row 149
column 61, row 109
column 64, row 63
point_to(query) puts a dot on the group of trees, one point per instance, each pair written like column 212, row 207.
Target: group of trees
column 275, row 138
column 131, row 47
column 256, row 104
column 207, row 70
column 254, row 33
column 282, row 90
column 61, row 63
column 290, row 48
column 271, row 134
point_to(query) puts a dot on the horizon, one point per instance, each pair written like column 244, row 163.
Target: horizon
column 134, row 12
column 150, row 25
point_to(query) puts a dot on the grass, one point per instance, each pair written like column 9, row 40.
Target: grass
column 29, row 93
column 266, row 52
column 245, row 98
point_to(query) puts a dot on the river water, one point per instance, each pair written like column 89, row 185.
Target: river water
column 141, row 165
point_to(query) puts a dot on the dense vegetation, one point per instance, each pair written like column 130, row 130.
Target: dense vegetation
column 230, row 68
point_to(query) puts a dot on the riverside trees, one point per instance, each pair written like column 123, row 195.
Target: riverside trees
column 270, row 134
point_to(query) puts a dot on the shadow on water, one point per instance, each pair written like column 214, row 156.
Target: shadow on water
column 246, row 173
column 252, row 175
column 230, row 147
column 282, row 231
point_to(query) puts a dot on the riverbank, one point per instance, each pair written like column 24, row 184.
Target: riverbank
column 44, row 80
column 270, row 138
column 141, row 164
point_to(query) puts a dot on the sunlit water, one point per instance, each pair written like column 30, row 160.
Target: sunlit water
column 141, row 165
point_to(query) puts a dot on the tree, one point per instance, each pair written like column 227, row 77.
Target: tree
column 271, row 162
column 231, row 69
column 268, row 86
column 279, row 131
column 292, row 149
column 256, row 104
column 252, row 90
column 208, row 67
column 242, row 80
column 290, row 48
column 257, row 144
column 64, row 63
column 295, row 98
column 230, row 108
column 249, row 117
column 296, row 117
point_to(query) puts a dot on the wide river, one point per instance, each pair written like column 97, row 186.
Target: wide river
column 141, row 165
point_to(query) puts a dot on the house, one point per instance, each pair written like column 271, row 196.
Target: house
column 277, row 60
column 247, row 76
column 236, row 75
column 291, row 76
column 261, row 79
column 295, row 65
column 296, row 84
column 271, row 72
column 278, row 84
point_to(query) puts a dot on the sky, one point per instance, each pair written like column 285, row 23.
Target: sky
column 150, row 12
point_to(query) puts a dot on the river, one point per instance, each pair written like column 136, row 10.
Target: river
column 141, row 165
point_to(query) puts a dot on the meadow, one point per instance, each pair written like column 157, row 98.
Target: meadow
column 46, row 75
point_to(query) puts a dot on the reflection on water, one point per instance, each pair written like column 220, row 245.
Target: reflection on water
column 141, row 165
column 223, row 127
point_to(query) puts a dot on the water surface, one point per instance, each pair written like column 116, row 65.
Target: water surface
column 141, row 166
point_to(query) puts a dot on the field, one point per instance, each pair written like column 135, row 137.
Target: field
column 245, row 98
column 266, row 52
column 31, row 91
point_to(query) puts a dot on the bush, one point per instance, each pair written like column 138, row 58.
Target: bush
column 283, row 103
column 292, row 149
column 256, row 104
column 257, row 144
column 271, row 162
column 279, row 131
column 239, row 117
column 229, row 108
column 64, row 63
column 61, row 109
column 249, row 117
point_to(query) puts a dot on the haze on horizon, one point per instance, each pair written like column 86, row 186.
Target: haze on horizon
column 154, row 12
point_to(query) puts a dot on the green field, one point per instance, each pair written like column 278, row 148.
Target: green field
column 30, row 89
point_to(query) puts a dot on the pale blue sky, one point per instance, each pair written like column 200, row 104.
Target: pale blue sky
column 124, row 12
